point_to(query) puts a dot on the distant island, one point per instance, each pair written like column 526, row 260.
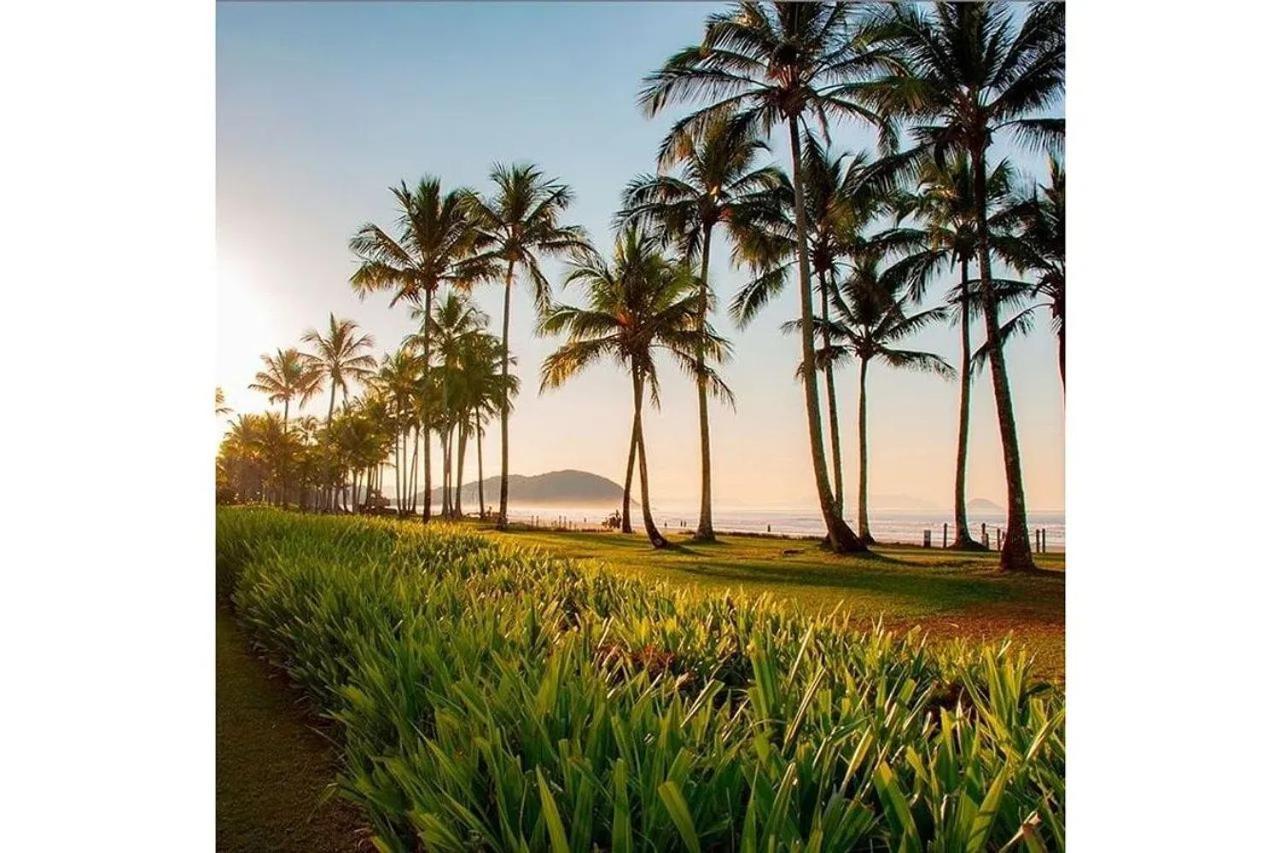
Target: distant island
column 565, row 488
column 981, row 505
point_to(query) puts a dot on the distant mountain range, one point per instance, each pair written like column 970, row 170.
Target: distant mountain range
column 981, row 505
column 565, row 488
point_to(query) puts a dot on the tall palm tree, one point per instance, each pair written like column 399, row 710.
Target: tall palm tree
column 768, row 64
column 946, row 239
column 844, row 194
column 435, row 242
column 341, row 354
column 718, row 182
column 969, row 71
column 518, row 225
column 454, row 322
column 484, row 389
column 871, row 318
column 637, row 303
column 397, row 379
column 289, row 375
column 1038, row 245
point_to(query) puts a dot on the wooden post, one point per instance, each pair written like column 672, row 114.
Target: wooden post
column 944, row 534
column 997, row 538
column 926, row 537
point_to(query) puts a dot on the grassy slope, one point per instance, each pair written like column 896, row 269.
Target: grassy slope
column 271, row 767
column 950, row 593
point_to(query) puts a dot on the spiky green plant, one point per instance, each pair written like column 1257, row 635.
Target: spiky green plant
column 490, row 697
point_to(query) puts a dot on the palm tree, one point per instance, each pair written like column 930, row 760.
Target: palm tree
column 519, row 225
column 436, row 239
column 843, row 194
column 455, row 320
column 289, row 376
column 484, row 389
column 1039, row 246
column 220, row 406
column 766, row 64
column 973, row 72
column 637, row 304
column 946, row 239
column 397, row 379
column 871, row 318
column 341, row 355
column 717, row 184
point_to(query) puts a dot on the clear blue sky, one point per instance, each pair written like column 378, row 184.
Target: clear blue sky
column 322, row 106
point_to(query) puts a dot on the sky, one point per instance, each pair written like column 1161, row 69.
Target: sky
column 323, row 106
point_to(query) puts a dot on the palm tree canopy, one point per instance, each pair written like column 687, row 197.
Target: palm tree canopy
column 843, row 194
column 718, row 182
column 1037, row 239
column 520, row 222
column 637, row 303
column 289, row 375
column 871, row 317
column 967, row 67
column 764, row 63
column 341, row 352
column 436, row 243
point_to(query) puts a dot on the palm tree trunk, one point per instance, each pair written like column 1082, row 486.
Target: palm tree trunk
column 626, row 483
column 705, row 531
column 462, row 456
column 832, row 414
column 839, row 535
column 651, row 529
column 506, row 362
column 413, row 471
column 864, row 523
column 446, row 503
column 964, row 542
column 426, row 397
column 479, row 464
column 1016, row 553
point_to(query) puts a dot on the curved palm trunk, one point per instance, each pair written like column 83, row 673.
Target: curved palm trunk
column 705, row 532
column 650, row 529
column 1016, row 553
column 864, row 523
column 426, row 427
column 832, row 415
column 479, row 464
column 839, row 535
column 626, row 486
column 506, row 361
column 964, row 542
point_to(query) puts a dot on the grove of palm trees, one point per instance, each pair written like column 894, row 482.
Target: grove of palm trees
column 888, row 239
column 861, row 173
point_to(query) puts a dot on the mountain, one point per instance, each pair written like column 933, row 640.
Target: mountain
column 982, row 505
column 555, row 488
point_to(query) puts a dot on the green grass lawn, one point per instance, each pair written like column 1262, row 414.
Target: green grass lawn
column 951, row 594
column 272, row 768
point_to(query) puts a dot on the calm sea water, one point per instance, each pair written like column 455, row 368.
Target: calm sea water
column 899, row 526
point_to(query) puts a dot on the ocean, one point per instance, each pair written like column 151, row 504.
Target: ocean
column 889, row 526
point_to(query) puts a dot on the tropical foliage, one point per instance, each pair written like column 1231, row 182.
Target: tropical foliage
column 640, row 302
column 934, row 84
column 489, row 697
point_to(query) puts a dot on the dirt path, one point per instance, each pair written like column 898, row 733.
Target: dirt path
column 272, row 767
